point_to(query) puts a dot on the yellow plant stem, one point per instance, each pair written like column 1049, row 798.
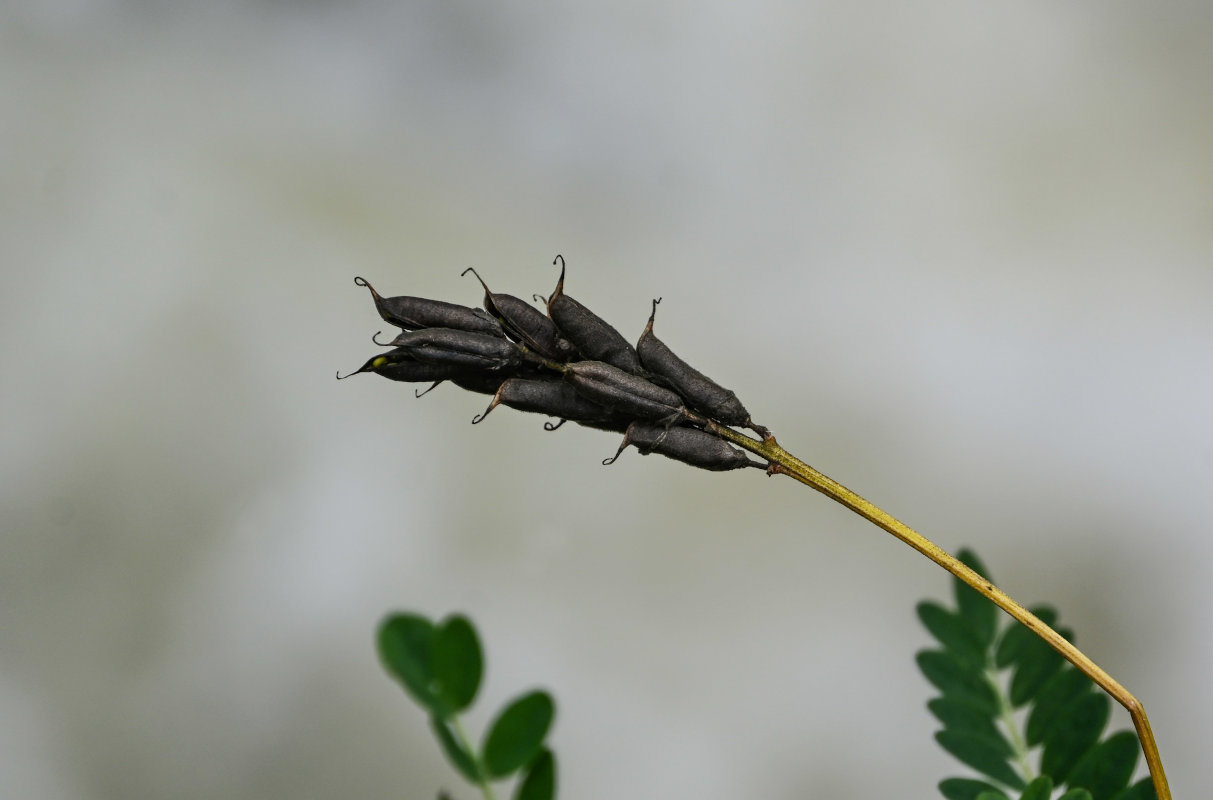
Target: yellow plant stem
column 783, row 462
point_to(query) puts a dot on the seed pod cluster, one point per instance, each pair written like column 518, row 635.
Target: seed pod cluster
column 569, row 364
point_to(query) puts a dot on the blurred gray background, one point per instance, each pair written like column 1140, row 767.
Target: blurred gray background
column 958, row 256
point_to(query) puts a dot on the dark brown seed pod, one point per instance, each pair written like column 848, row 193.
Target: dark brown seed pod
column 419, row 372
column 458, row 348
column 399, row 365
column 384, row 361
column 616, row 423
column 471, row 380
column 700, row 392
column 525, row 323
column 549, row 396
column 480, row 382
column 624, row 392
column 413, row 313
column 589, row 333
column 688, row 445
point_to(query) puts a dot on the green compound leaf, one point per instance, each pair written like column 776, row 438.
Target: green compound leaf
column 1037, row 662
column 1066, row 686
column 1064, row 714
column 405, row 646
column 1142, row 790
column 957, row 716
column 1076, row 794
column 980, row 754
column 953, row 632
column 1108, row 766
column 517, row 734
column 1039, row 789
column 1017, row 637
column 457, row 663
column 1077, row 728
column 964, row 788
column 456, row 753
column 958, row 680
column 980, row 614
column 539, row 782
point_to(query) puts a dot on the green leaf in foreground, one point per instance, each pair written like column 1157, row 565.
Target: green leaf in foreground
column 1078, row 727
column 1076, row 794
column 964, row 788
column 1037, row 663
column 539, row 782
column 952, row 631
column 457, row 662
column 992, row 796
column 517, row 734
column 958, row 680
column 1039, row 789
column 1063, row 713
column 1108, row 766
column 405, row 642
column 1063, row 688
column 1015, row 638
column 1142, row 790
column 981, row 754
column 960, row 717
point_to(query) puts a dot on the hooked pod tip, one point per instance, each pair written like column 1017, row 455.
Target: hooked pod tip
column 648, row 329
column 476, row 420
column 559, row 290
column 490, row 305
column 477, row 274
column 371, row 365
column 418, row 393
column 361, row 281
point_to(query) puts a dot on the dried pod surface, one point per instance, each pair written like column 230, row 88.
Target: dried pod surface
column 412, row 313
column 458, row 348
column 688, row 445
column 549, row 396
column 589, row 333
column 420, row 372
column 616, row 423
column 623, row 392
column 525, row 323
column 480, row 382
column 700, row 392
column 553, row 397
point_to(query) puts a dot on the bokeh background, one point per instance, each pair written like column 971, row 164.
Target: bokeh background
column 958, row 256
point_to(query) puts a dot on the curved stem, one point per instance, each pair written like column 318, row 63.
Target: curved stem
column 783, row 462
column 462, row 736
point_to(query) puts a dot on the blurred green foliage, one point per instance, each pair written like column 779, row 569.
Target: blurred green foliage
column 1005, row 693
